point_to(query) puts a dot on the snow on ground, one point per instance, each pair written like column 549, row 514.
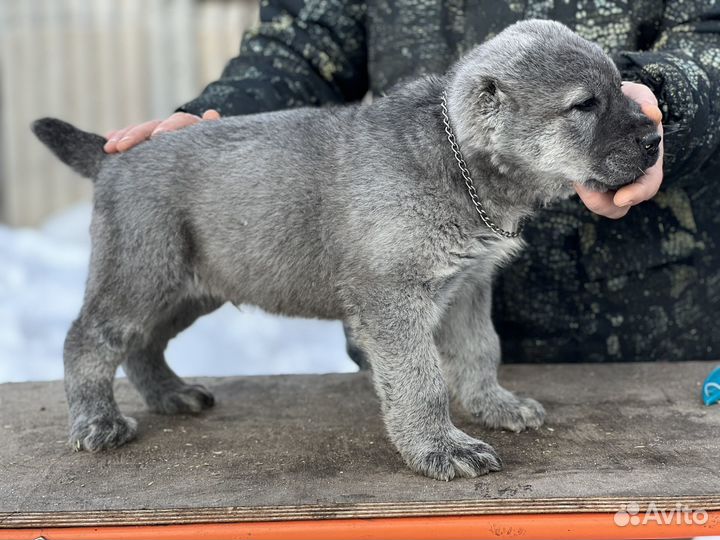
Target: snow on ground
column 42, row 277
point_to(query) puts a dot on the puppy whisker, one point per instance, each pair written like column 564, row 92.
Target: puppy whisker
column 672, row 131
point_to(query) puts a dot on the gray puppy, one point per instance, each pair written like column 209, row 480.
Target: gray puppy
column 359, row 213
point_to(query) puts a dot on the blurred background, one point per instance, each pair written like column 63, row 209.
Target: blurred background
column 104, row 64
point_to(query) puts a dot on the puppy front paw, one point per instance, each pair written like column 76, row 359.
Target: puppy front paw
column 453, row 455
column 186, row 399
column 501, row 409
column 102, row 432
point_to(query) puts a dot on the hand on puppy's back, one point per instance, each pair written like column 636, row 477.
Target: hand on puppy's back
column 124, row 139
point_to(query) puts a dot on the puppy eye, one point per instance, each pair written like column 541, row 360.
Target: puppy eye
column 587, row 105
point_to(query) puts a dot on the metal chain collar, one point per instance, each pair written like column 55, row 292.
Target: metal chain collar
column 468, row 179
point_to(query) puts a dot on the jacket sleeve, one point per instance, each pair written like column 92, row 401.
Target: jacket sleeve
column 683, row 70
column 304, row 52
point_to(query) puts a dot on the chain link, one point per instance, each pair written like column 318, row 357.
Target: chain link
column 468, row 179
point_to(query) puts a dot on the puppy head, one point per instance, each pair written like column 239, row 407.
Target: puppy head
column 545, row 106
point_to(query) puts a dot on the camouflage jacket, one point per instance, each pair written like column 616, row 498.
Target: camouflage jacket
column 586, row 288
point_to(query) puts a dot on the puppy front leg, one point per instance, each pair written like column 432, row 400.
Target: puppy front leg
column 470, row 350
column 414, row 398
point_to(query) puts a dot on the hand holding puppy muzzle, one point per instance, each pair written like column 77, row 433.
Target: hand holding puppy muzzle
column 615, row 205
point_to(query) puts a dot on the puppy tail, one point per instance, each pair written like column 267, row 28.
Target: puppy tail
column 80, row 150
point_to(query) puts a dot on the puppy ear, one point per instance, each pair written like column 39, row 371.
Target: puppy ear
column 489, row 95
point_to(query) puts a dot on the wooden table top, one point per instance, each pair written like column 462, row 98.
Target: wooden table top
column 313, row 447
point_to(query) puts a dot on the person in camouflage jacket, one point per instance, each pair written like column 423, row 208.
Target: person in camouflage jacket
column 586, row 288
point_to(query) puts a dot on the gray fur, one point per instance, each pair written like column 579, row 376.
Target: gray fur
column 356, row 213
column 80, row 150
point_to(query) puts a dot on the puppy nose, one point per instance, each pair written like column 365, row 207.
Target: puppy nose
column 650, row 143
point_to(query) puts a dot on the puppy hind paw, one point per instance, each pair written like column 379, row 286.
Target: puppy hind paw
column 187, row 399
column 102, row 432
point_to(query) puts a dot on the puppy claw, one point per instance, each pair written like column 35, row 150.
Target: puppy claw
column 188, row 399
column 465, row 458
column 506, row 411
column 102, row 432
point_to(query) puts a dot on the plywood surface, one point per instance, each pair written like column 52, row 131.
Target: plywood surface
column 305, row 447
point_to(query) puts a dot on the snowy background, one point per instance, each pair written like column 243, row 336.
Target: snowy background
column 42, row 276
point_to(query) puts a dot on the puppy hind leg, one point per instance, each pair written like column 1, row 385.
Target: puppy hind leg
column 470, row 350
column 93, row 351
column 163, row 391
column 126, row 297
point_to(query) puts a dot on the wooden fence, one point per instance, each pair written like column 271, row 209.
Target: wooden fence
column 101, row 64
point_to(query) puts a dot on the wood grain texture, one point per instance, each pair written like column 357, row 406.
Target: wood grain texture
column 313, row 447
column 178, row 516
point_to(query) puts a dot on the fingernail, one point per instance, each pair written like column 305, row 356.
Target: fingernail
column 652, row 111
column 123, row 143
column 623, row 204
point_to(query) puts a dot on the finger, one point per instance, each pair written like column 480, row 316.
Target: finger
column 652, row 111
column 211, row 114
column 600, row 203
column 644, row 97
column 111, row 145
column 643, row 189
column 176, row 121
column 136, row 135
column 639, row 93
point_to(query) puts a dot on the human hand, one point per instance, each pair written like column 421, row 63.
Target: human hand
column 122, row 140
column 615, row 205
